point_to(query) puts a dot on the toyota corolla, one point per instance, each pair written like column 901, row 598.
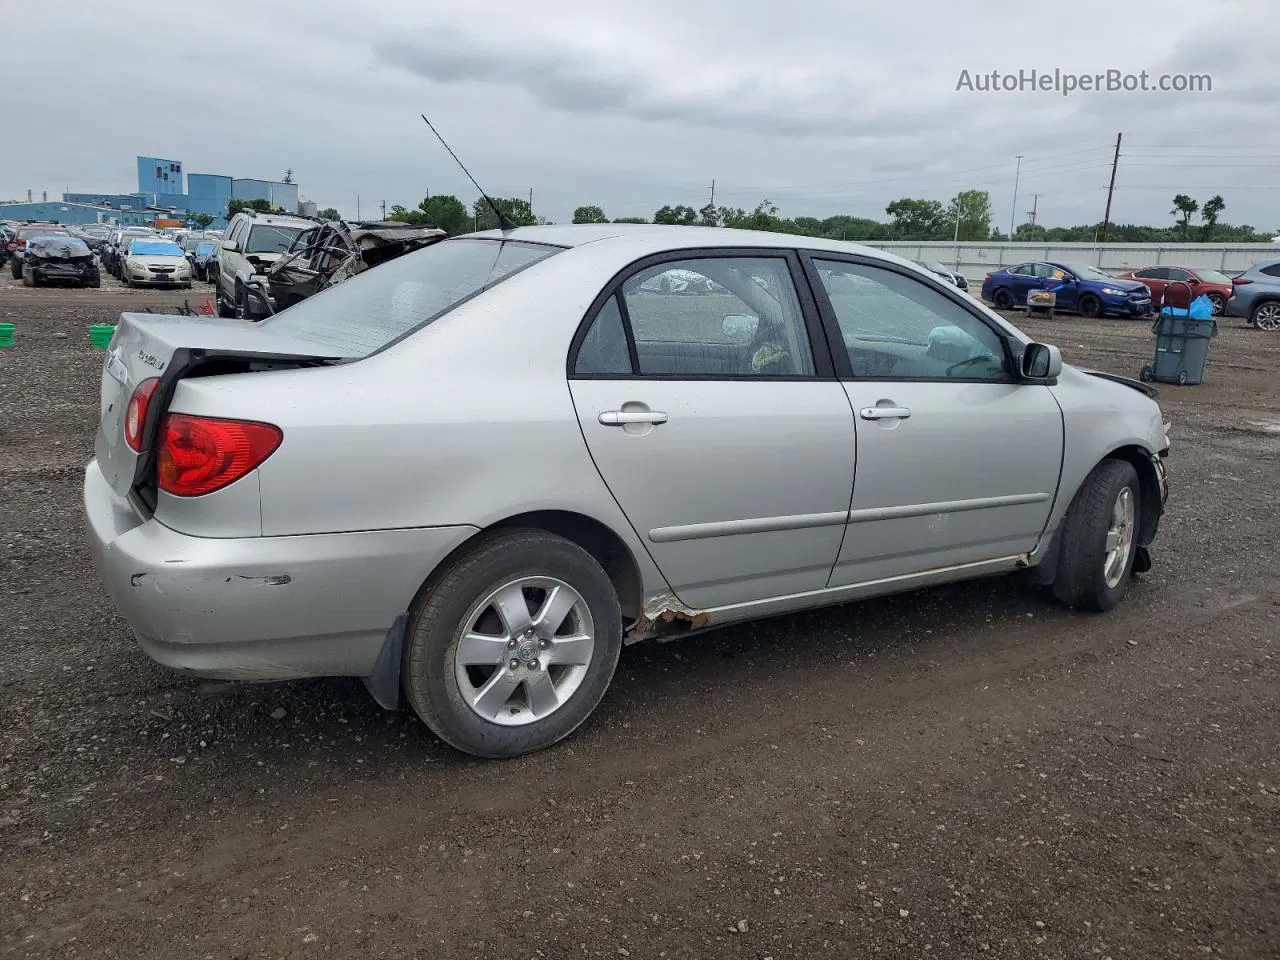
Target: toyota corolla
column 470, row 475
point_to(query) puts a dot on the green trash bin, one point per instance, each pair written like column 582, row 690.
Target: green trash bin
column 1182, row 349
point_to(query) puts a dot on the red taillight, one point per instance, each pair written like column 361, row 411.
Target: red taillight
column 199, row 455
column 135, row 418
column 1237, row 281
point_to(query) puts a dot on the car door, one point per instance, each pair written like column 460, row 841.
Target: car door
column 1154, row 279
column 958, row 463
column 708, row 402
column 1175, row 294
column 1023, row 277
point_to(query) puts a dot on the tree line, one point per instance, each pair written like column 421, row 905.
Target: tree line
column 967, row 217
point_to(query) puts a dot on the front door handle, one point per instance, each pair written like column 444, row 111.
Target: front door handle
column 884, row 413
column 620, row 418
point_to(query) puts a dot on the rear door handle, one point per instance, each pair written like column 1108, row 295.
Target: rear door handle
column 884, row 413
column 620, row 418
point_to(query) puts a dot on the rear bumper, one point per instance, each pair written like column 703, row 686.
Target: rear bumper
column 258, row 608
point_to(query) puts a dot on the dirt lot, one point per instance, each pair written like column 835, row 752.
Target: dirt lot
column 969, row 772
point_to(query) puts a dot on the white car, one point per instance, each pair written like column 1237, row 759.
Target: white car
column 155, row 261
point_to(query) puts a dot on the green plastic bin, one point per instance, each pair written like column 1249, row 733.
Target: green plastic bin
column 6, row 335
column 100, row 335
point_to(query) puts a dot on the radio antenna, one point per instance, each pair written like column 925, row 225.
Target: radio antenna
column 504, row 222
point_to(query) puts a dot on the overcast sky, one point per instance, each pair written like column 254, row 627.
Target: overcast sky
column 829, row 106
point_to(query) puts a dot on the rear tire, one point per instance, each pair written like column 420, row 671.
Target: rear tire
column 1090, row 306
column 1096, row 558
column 442, row 688
column 16, row 269
column 223, row 309
column 1218, row 302
column 1266, row 316
column 1002, row 299
column 28, row 278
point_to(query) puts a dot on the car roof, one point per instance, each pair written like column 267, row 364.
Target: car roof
column 646, row 238
column 279, row 220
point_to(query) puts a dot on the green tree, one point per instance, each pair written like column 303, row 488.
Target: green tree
column 446, row 212
column 258, row 204
column 329, row 213
column 630, row 220
column 1184, row 207
column 1209, row 213
column 589, row 214
column 517, row 210
column 1029, row 232
column 679, row 216
column 973, row 210
column 402, row 214
column 709, row 216
column 202, row 220
column 916, row 219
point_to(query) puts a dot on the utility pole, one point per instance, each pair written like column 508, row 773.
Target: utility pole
column 713, row 194
column 1014, row 211
column 384, row 209
column 357, row 207
column 1035, row 202
column 1106, row 217
column 531, row 201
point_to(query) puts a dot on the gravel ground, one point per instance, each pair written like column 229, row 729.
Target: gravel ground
column 968, row 772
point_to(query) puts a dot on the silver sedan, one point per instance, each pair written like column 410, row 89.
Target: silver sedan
column 471, row 474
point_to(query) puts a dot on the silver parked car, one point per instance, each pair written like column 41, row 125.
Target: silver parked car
column 1255, row 295
column 473, row 473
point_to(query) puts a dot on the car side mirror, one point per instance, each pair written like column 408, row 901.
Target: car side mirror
column 230, row 246
column 740, row 328
column 1041, row 362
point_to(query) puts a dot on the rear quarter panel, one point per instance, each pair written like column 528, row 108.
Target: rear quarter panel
column 469, row 421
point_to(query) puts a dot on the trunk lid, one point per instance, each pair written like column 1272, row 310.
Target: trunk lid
column 169, row 348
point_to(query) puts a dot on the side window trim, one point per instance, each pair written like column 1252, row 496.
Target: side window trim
column 835, row 341
column 815, row 329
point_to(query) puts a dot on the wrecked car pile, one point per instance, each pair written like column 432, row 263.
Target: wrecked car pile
column 331, row 252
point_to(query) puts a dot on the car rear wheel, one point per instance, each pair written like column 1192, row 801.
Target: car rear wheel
column 1266, row 316
column 514, row 646
column 1100, row 538
column 16, row 269
column 1090, row 306
column 29, row 278
column 1002, row 299
column 1218, row 302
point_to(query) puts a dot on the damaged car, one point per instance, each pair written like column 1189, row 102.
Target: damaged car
column 452, row 476
column 332, row 252
column 59, row 259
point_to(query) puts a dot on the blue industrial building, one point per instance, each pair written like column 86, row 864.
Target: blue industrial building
column 165, row 191
column 64, row 212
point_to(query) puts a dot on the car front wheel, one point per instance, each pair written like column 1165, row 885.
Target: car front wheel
column 1218, row 303
column 1090, row 306
column 1100, row 538
column 514, row 646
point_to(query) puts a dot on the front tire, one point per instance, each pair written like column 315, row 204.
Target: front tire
column 1090, row 306
column 514, row 646
column 1218, row 302
column 1100, row 538
column 224, row 309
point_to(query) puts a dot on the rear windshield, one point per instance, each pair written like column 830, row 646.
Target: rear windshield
column 358, row 316
column 1213, row 276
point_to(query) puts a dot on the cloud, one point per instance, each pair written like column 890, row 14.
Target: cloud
column 771, row 98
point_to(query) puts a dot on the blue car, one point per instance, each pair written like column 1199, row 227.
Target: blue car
column 1086, row 290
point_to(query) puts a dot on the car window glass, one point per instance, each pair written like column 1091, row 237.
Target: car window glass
column 721, row 316
column 893, row 326
column 1175, row 274
column 1148, row 274
column 269, row 238
column 1272, row 271
column 1022, row 270
column 1213, row 276
column 604, row 349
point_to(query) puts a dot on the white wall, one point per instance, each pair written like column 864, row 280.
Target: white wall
column 976, row 260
